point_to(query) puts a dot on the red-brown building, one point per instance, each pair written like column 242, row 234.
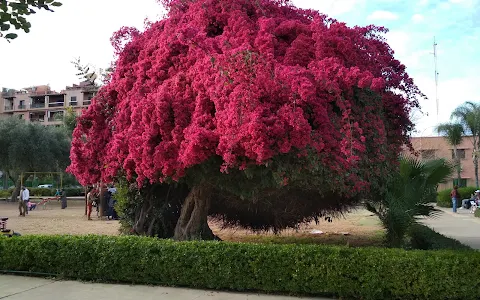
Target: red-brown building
column 438, row 147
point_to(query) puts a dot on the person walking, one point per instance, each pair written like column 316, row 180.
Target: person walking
column 21, row 207
column 455, row 195
column 90, row 199
column 23, row 202
column 63, row 198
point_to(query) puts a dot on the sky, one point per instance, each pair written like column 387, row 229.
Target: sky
column 82, row 28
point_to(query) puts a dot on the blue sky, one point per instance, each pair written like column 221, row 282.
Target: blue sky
column 82, row 28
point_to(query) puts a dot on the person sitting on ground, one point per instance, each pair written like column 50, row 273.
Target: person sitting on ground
column 466, row 203
column 31, row 205
column 476, row 199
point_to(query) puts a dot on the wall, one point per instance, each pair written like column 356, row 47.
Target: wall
column 444, row 150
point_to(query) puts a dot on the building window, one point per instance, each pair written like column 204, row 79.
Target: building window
column 462, row 183
column 460, row 153
column 73, row 100
column 427, row 154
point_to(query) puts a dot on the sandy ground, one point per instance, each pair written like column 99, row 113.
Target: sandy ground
column 357, row 228
column 54, row 220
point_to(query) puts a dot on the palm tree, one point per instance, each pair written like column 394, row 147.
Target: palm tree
column 409, row 194
column 468, row 114
column 453, row 133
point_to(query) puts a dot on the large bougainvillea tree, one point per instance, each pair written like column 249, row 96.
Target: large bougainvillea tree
column 273, row 115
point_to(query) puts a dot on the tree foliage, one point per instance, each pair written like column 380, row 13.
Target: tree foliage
column 256, row 102
column 31, row 147
column 70, row 120
column 13, row 14
column 91, row 74
column 468, row 114
column 453, row 133
column 410, row 194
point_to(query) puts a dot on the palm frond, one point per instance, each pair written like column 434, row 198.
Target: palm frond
column 410, row 194
column 453, row 132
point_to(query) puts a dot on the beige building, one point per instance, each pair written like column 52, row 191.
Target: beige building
column 438, row 147
column 41, row 104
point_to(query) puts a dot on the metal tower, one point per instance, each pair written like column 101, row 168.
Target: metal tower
column 436, row 75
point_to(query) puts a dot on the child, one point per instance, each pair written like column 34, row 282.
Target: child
column 31, row 205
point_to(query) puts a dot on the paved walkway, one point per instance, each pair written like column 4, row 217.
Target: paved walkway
column 28, row 288
column 462, row 226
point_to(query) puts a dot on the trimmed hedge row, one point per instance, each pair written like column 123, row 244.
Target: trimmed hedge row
column 349, row 273
column 424, row 238
column 444, row 200
column 71, row 192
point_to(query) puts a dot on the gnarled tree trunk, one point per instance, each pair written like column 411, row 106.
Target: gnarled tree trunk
column 141, row 216
column 18, row 183
column 192, row 224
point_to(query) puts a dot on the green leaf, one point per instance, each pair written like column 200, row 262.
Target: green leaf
column 4, row 27
column 11, row 36
column 57, row 4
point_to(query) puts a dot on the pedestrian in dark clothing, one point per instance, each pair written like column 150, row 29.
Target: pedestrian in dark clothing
column 109, row 200
column 63, row 198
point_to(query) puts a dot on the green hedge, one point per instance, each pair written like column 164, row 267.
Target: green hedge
column 477, row 213
column 444, row 200
column 43, row 192
column 349, row 273
column 424, row 238
column 4, row 194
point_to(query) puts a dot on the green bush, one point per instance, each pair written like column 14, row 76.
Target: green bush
column 424, row 238
column 42, row 192
column 477, row 213
column 74, row 192
column 444, row 200
column 348, row 273
column 71, row 192
column 4, row 194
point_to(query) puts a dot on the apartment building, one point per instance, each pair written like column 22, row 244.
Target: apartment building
column 41, row 104
column 438, row 147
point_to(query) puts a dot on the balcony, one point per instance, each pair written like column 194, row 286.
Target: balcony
column 8, row 107
column 37, row 119
column 55, row 119
column 56, row 104
column 37, row 105
column 22, row 106
column 8, row 94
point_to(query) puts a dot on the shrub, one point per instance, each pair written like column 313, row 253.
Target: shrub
column 4, row 194
column 444, row 200
column 71, row 192
column 477, row 213
column 409, row 195
column 74, row 192
column 425, row 238
column 42, row 192
column 349, row 273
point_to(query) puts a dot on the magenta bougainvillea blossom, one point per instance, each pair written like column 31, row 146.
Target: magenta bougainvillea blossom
column 246, row 81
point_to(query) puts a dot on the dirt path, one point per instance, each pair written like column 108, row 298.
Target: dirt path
column 358, row 228
column 54, row 220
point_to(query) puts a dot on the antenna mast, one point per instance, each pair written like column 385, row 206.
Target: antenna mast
column 436, row 74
